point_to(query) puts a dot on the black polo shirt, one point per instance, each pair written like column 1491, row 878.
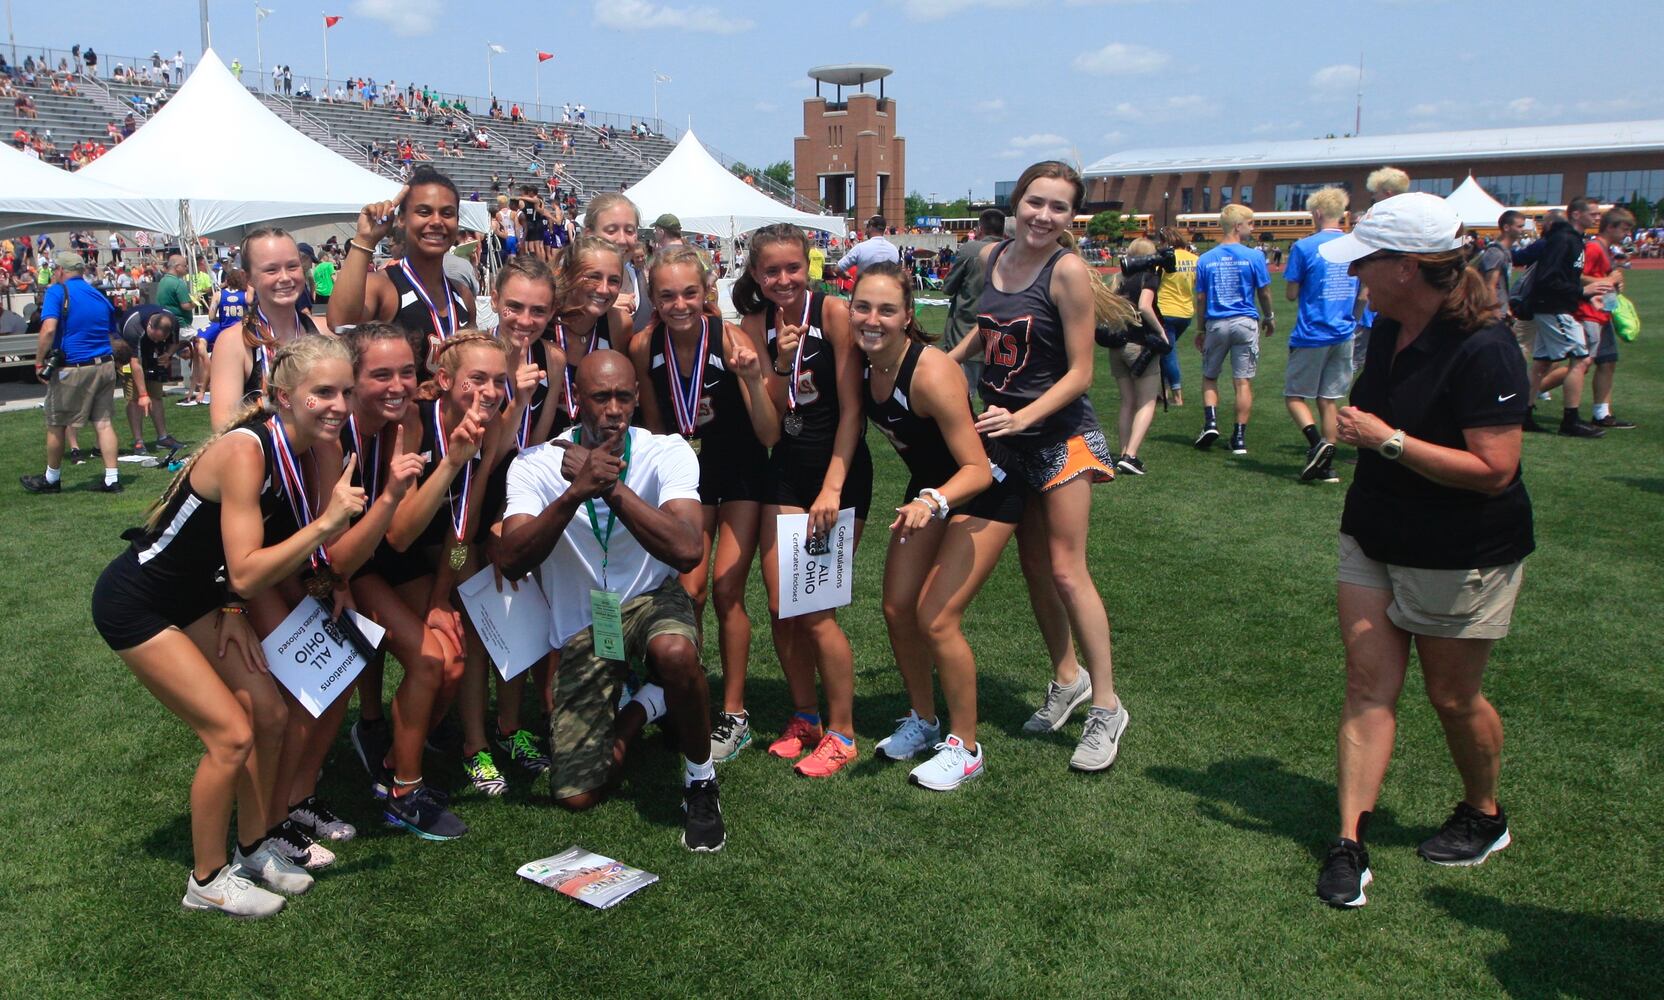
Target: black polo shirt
column 1441, row 384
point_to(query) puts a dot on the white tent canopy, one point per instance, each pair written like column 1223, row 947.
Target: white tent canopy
column 691, row 185
column 1474, row 205
column 225, row 163
column 38, row 195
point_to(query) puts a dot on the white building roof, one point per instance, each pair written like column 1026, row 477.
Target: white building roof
column 1375, row 150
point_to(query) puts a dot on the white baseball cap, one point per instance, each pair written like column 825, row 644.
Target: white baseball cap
column 1406, row 223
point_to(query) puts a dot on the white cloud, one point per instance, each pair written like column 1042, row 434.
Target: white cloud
column 406, row 18
column 861, row 20
column 1121, row 59
column 1179, row 106
column 765, row 107
column 1038, row 144
column 936, row 10
column 1337, row 79
column 989, row 107
column 639, row 15
column 1266, row 128
column 1522, row 106
column 1115, row 136
column 800, row 83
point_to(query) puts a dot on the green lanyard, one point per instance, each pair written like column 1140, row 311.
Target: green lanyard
column 604, row 538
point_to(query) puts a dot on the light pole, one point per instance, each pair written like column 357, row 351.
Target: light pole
column 1164, row 196
column 9, row 36
column 259, row 53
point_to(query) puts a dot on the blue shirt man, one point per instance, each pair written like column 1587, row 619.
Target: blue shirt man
column 1230, row 275
column 1320, row 348
column 1328, row 296
column 86, row 334
column 79, row 320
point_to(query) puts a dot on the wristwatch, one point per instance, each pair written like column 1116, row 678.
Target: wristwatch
column 1393, row 446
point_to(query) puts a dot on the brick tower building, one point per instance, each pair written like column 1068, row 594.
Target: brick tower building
column 849, row 157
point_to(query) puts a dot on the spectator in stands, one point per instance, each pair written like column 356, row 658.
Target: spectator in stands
column 91, row 59
column 178, row 67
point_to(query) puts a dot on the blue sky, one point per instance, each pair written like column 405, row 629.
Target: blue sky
column 983, row 86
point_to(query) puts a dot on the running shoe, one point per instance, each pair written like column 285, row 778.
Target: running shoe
column 1130, row 464
column 792, row 743
column 138, row 448
column 290, row 841
column 1580, row 429
column 703, row 830
column 952, row 766
column 1611, row 423
column 39, row 484
column 1100, row 741
column 828, row 759
column 1468, row 837
column 371, row 739
column 730, row 735
column 423, row 814
column 523, row 751
column 1209, row 435
column 1327, row 474
column 482, row 772
column 316, row 821
column 268, row 864
column 230, row 892
column 1060, row 703
column 168, row 441
column 188, row 401
column 913, row 737
column 1318, row 457
column 77, row 457
column 1239, row 443
column 1345, row 873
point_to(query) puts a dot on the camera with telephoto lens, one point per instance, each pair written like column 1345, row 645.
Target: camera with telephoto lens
column 1161, row 260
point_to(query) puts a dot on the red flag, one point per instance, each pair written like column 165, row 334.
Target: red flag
column 331, row 20
column 545, row 56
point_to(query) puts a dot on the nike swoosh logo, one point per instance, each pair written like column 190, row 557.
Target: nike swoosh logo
column 713, row 385
column 973, row 768
column 1504, row 399
column 216, row 900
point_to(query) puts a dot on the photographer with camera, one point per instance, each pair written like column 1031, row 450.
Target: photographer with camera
column 1133, row 351
column 76, row 361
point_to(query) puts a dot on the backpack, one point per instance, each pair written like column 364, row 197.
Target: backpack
column 1522, row 293
column 1626, row 320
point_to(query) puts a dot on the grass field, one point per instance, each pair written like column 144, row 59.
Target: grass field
column 1185, row 871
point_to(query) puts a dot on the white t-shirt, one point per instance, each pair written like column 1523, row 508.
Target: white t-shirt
column 875, row 250
column 662, row 468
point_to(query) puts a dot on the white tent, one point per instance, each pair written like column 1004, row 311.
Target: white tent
column 225, row 164
column 1476, row 207
column 38, row 195
column 691, row 185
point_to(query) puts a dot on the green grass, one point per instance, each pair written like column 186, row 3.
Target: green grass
column 1187, row 870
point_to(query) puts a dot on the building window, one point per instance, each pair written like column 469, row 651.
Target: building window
column 1248, row 195
column 1186, row 197
column 1224, row 195
column 1524, row 189
column 1441, row 186
column 1292, row 197
column 1207, row 199
column 1620, row 187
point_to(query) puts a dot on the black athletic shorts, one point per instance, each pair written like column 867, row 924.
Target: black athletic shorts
column 129, row 609
column 727, row 475
column 1002, row 501
column 796, row 474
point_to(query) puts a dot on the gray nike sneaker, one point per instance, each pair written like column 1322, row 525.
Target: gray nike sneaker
column 1100, row 741
column 1060, row 703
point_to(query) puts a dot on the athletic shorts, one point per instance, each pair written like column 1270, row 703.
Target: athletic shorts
column 399, row 568
column 1238, row 336
column 1044, row 468
column 795, row 474
column 129, row 609
column 1319, row 372
column 511, row 244
column 587, row 687
column 1559, row 336
column 1121, row 360
column 211, row 333
column 727, row 477
column 83, row 395
column 1444, row 603
column 1603, row 343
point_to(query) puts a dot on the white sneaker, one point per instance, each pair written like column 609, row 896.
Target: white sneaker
column 291, row 842
column 272, row 868
column 1100, row 741
column 952, row 766
column 911, row 738
column 317, row 822
column 229, row 892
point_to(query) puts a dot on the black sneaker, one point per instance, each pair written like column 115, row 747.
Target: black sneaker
column 1531, row 426
column 1318, row 457
column 104, row 487
column 371, row 739
column 38, row 484
column 1468, row 837
column 1239, row 443
column 1130, row 464
column 704, row 830
column 1344, row 875
column 1611, row 423
column 1327, row 474
column 168, row 441
column 1580, row 429
column 76, row 457
column 1209, row 435
column 523, row 751
column 423, row 814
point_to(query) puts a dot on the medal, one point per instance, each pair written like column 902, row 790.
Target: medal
column 322, row 583
column 459, row 555
column 793, row 424
column 459, row 511
column 684, row 396
column 294, row 487
column 694, row 443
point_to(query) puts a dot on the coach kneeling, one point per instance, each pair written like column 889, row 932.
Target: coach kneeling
column 610, row 516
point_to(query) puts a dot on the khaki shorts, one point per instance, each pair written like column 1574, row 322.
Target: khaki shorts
column 1443, row 603
column 587, row 688
column 84, row 395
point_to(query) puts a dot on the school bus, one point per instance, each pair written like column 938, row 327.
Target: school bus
column 1204, row 226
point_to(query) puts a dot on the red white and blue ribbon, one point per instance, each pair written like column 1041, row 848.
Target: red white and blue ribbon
column 459, row 512
column 797, row 357
column 443, row 328
column 560, row 335
column 684, row 399
column 294, row 483
column 369, row 466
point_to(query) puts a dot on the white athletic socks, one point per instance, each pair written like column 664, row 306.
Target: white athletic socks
column 53, row 475
column 651, row 700
column 698, row 772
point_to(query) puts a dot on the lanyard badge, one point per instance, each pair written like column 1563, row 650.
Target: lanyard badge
column 604, row 539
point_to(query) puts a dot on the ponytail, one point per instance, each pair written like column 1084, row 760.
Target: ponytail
column 748, row 291
column 252, row 413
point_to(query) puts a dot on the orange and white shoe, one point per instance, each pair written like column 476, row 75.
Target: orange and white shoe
column 829, row 757
column 799, row 736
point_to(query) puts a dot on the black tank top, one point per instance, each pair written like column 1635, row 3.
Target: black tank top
column 554, row 383
column 1023, row 353
column 254, row 384
column 414, row 315
column 439, row 530
column 817, row 379
column 918, row 440
column 721, row 420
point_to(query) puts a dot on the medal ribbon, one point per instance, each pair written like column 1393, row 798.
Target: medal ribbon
column 684, row 399
column 369, row 469
column 560, row 335
column 604, row 539
column 294, row 484
column 797, row 357
column 444, row 329
column 459, row 518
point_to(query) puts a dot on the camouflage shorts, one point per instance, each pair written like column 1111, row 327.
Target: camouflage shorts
column 587, row 688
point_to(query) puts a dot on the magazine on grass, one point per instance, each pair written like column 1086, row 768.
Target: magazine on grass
column 591, row 878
